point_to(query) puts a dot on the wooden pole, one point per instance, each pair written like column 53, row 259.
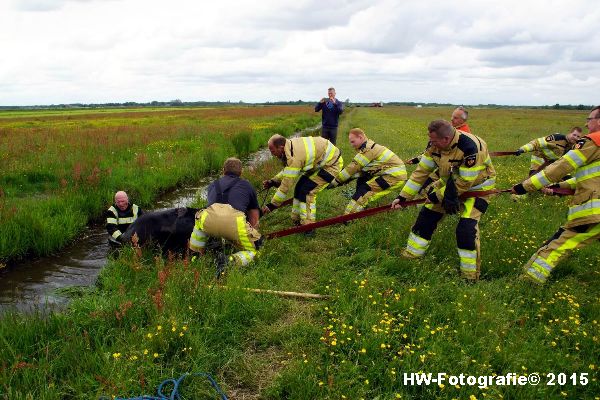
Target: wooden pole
column 282, row 293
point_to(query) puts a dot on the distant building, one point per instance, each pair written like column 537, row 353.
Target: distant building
column 379, row 104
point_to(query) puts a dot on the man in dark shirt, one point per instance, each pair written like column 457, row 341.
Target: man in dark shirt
column 232, row 214
column 332, row 109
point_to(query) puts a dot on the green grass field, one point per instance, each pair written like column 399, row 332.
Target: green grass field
column 151, row 318
column 60, row 169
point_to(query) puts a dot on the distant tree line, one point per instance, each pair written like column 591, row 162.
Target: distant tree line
column 180, row 103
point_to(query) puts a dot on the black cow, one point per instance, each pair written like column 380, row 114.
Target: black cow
column 170, row 229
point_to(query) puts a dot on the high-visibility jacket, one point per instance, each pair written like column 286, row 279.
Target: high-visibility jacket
column 550, row 148
column 467, row 160
column 375, row 160
column 118, row 221
column 583, row 163
column 464, row 127
column 303, row 155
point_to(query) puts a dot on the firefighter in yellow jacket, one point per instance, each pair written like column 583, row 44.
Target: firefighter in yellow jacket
column 376, row 168
column 232, row 214
column 463, row 164
column 546, row 150
column 583, row 219
column 314, row 161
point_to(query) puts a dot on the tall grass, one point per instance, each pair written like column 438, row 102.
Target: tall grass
column 386, row 315
column 59, row 171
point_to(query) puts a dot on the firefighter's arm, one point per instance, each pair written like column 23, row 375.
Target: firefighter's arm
column 529, row 147
column 554, row 172
column 353, row 168
column 288, row 176
column 425, row 167
column 570, row 183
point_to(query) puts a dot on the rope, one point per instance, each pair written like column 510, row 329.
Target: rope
column 175, row 394
column 501, row 153
column 367, row 213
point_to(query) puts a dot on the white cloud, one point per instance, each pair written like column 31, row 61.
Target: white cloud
column 510, row 52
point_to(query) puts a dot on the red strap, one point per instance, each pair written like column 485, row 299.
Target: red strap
column 338, row 220
column 563, row 191
column 366, row 213
column 501, row 153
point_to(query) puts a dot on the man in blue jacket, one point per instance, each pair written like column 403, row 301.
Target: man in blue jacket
column 332, row 109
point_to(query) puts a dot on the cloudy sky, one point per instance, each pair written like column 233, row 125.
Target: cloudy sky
column 467, row 52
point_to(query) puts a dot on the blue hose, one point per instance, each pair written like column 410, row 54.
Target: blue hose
column 174, row 394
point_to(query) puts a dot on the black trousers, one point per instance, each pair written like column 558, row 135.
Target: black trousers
column 329, row 133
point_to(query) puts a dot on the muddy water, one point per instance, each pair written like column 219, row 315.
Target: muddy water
column 33, row 284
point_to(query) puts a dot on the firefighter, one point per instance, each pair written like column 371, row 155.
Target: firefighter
column 232, row 214
column 119, row 216
column 315, row 161
column 583, row 219
column 377, row 170
column 463, row 164
column 459, row 119
column 546, row 150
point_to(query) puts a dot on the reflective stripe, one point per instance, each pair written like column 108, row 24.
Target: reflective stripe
column 344, row 175
column 291, row 172
column 468, row 208
column 385, row 156
column 309, row 148
column 122, row 220
column 540, row 180
column 537, row 161
column 243, row 233
column 197, row 240
column 588, row 171
column 469, row 174
column 416, row 245
column 488, row 161
column 547, row 268
column 203, row 218
column 126, row 220
column 361, row 160
column 279, row 196
column 395, row 171
column 533, row 273
column 590, row 207
column 486, row 185
column 427, row 163
column 575, row 158
column 302, row 208
column 572, row 243
column 116, row 234
column 329, row 153
column 572, row 182
column 468, row 264
column 527, row 148
column 549, row 154
column 296, row 206
column 411, row 187
column 244, row 257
